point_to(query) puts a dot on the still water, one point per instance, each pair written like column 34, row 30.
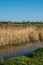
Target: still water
column 8, row 52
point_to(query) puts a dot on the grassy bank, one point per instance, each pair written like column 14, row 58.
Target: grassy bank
column 14, row 33
column 34, row 58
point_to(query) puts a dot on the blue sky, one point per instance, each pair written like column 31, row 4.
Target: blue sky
column 12, row 10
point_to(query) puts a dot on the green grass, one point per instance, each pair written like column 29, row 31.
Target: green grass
column 34, row 58
column 39, row 25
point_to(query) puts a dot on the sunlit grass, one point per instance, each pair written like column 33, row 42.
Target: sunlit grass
column 19, row 34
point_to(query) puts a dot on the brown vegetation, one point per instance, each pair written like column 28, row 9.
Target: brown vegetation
column 15, row 34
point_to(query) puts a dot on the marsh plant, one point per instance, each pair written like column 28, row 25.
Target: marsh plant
column 19, row 34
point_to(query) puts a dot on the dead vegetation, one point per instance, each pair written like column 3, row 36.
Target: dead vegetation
column 16, row 34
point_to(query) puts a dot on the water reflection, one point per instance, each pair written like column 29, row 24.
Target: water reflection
column 15, row 51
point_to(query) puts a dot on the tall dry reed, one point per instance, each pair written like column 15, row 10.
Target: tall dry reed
column 18, row 34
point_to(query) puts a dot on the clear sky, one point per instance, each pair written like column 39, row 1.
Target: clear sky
column 11, row 10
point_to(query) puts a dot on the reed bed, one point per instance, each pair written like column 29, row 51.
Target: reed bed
column 16, row 34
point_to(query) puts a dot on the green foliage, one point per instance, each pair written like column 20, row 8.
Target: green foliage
column 35, row 58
